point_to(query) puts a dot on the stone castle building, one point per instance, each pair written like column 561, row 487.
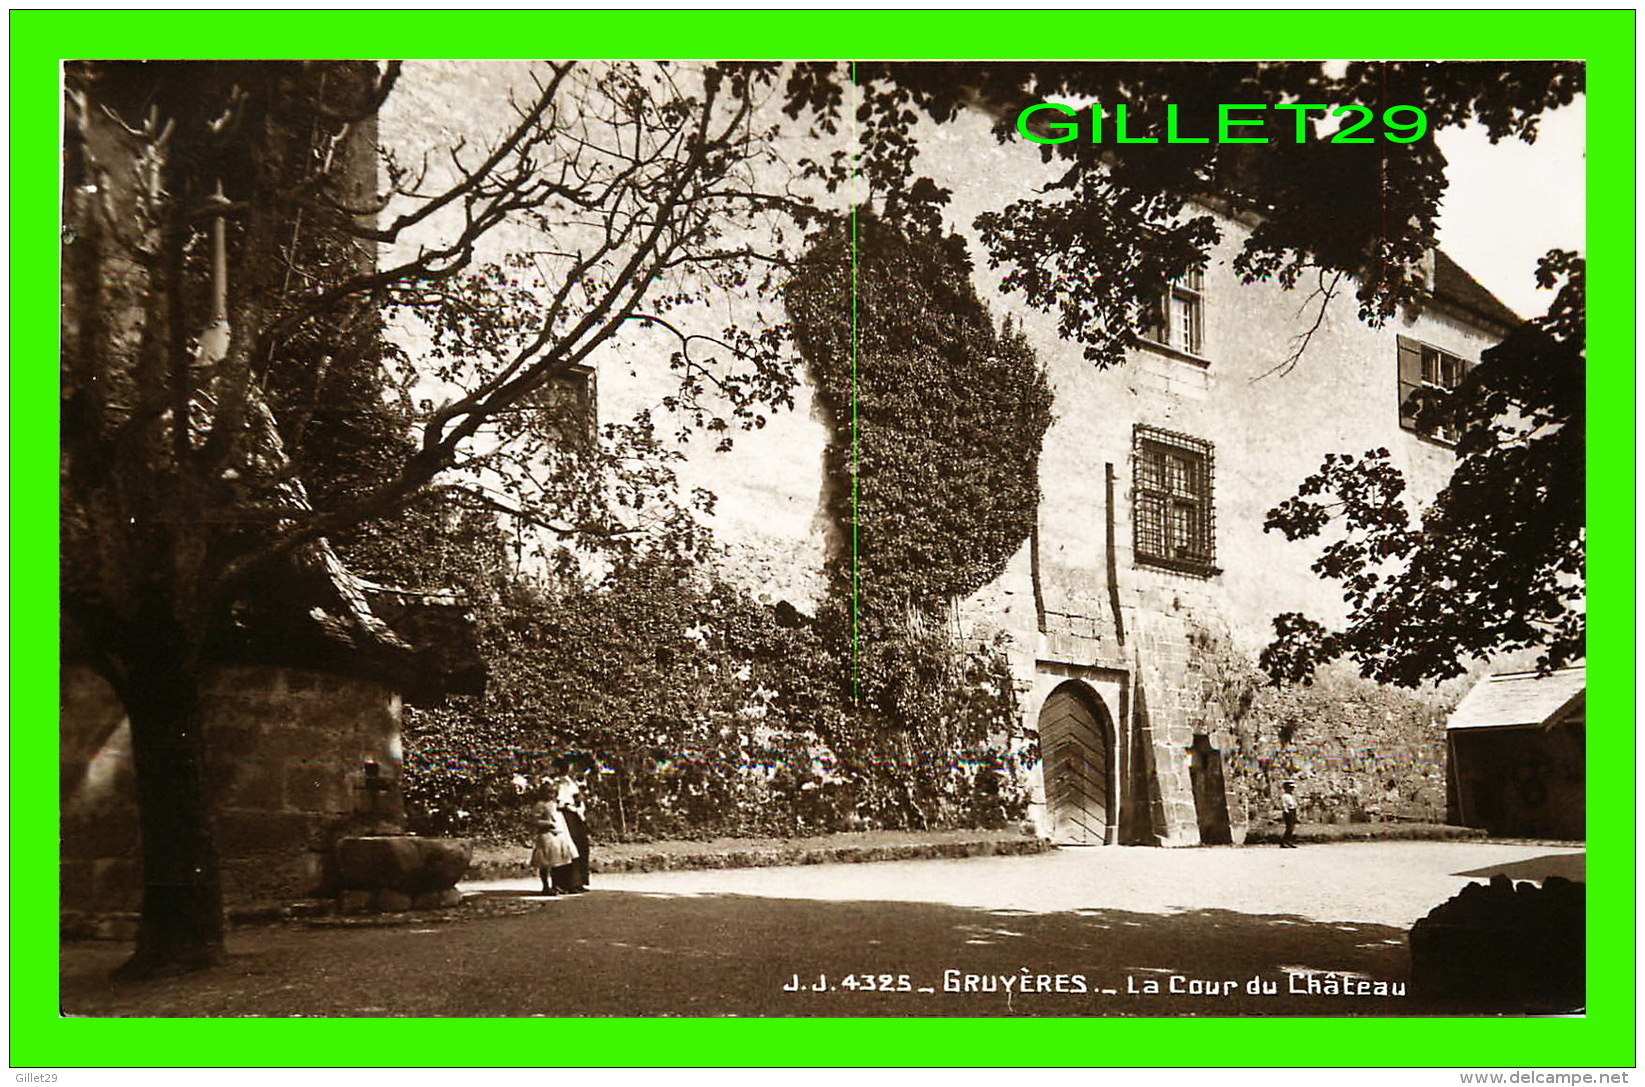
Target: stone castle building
column 1150, row 570
column 1148, row 576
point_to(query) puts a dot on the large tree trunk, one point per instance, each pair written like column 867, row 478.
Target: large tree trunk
column 182, row 919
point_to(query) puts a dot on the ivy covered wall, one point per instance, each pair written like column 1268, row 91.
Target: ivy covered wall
column 694, row 708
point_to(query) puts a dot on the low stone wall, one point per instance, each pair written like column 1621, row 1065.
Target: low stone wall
column 494, row 863
column 288, row 758
column 1359, row 752
column 1271, row 833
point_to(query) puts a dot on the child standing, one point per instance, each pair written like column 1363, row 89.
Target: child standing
column 553, row 848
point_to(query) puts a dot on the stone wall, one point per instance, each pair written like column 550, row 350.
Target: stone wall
column 100, row 869
column 1358, row 751
column 287, row 758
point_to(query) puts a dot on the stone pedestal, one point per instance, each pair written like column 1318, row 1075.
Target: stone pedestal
column 400, row 872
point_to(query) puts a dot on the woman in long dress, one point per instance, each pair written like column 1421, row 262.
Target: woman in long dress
column 571, row 810
column 553, row 848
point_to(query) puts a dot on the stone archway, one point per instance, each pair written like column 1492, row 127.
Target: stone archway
column 1077, row 752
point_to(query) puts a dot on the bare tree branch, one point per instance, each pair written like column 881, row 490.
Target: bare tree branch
column 1324, row 293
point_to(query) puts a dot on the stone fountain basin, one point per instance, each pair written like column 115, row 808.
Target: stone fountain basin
column 401, row 862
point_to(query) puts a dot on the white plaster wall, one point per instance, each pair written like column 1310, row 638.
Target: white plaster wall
column 1269, row 429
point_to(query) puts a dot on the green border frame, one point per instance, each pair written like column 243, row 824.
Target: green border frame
column 1605, row 39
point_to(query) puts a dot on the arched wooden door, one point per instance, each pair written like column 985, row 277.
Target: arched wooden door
column 1075, row 751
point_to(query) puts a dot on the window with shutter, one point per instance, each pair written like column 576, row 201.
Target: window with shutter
column 1426, row 376
column 1177, row 318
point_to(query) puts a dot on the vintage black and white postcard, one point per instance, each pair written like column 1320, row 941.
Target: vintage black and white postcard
column 881, row 539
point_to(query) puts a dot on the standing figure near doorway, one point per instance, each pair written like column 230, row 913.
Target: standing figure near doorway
column 1288, row 810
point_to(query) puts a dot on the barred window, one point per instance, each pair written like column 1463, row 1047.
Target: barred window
column 1426, row 375
column 1173, row 519
column 1177, row 317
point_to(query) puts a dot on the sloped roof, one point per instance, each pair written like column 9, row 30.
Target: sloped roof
column 307, row 609
column 1523, row 700
column 1454, row 285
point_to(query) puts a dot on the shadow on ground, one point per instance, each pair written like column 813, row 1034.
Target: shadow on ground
column 636, row 954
